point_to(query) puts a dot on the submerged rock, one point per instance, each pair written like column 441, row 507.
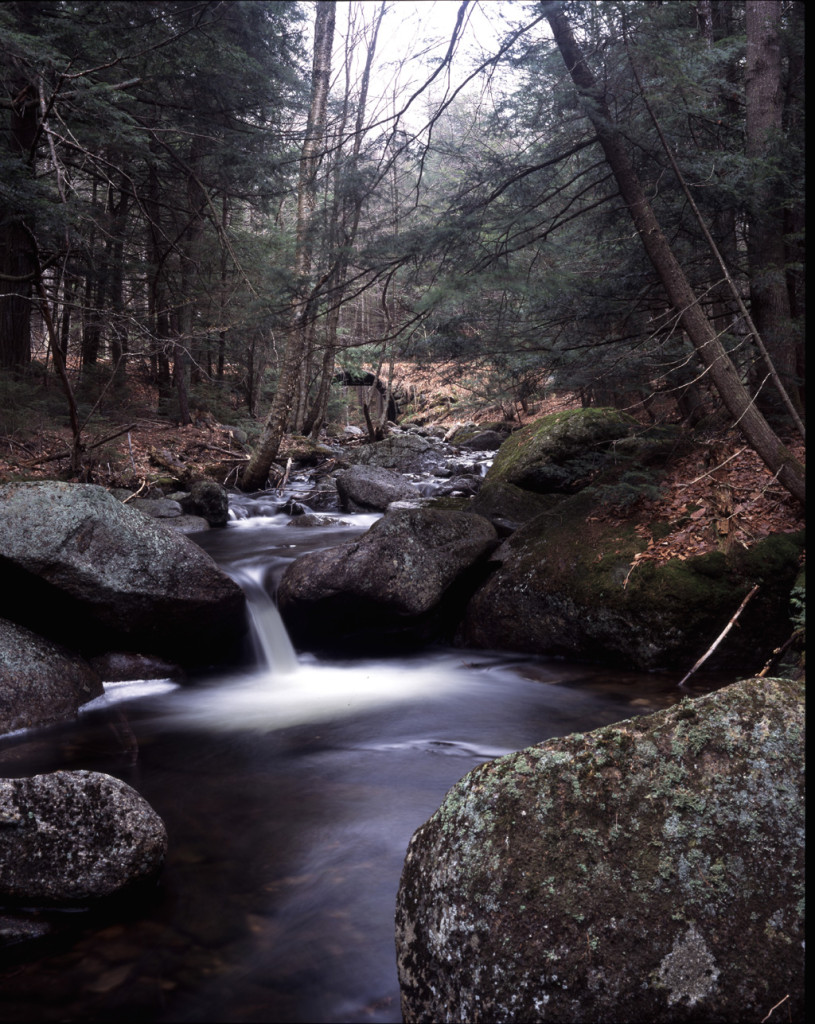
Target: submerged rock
column 390, row 581
column 74, row 836
column 92, row 573
column 649, row 871
column 40, row 682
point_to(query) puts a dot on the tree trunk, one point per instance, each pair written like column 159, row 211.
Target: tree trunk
column 17, row 262
column 722, row 372
column 345, row 222
column 764, row 96
column 157, row 295
column 256, row 472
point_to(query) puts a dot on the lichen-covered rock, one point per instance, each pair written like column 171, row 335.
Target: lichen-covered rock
column 40, row 681
column 371, row 487
column 90, row 572
column 649, row 871
column 568, row 583
column 560, row 453
column 390, row 581
column 74, row 836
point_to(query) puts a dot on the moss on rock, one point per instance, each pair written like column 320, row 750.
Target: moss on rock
column 560, row 453
column 651, row 870
column 569, row 584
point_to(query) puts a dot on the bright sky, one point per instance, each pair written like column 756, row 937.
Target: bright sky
column 414, row 38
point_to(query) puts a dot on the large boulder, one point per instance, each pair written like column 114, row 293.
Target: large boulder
column 484, row 441
column 403, row 452
column 40, row 681
column 371, row 487
column 70, row 837
column 649, row 871
column 391, row 582
column 567, row 583
column 561, row 453
column 88, row 571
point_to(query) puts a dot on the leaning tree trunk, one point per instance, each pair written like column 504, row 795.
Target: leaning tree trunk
column 723, row 374
column 256, row 472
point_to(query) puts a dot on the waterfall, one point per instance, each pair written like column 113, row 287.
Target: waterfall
column 273, row 647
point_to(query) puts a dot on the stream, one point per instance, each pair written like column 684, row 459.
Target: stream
column 290, row 790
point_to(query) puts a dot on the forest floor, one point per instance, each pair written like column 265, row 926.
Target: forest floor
column 719, row 493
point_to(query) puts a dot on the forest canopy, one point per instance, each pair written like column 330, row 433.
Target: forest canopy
column 237, row 203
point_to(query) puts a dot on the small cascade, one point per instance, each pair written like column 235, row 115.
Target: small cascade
column 273, row 647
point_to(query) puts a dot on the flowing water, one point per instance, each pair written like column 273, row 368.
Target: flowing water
column 290, row 791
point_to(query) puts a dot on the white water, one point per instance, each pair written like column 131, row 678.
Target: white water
column 273, row 647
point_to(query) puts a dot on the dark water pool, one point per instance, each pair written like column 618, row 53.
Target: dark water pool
column 289, row 797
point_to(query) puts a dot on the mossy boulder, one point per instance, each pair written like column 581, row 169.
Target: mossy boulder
column 650, row 871
column 561, row 453
column 568, row 584
column 507, row 502
column 207, row 500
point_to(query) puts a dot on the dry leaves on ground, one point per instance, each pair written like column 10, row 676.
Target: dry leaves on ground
column 713, row 503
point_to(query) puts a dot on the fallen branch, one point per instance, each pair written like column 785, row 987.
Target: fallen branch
column 780, row 1001
column 67, row 455
column 285, row 479
column 135, row 494
column 777, row 653
column 45, row 458
column 720, row 637
column 237, row 456
column 110, row 437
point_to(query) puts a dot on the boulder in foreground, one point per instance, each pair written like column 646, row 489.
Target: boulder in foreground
column 649, row 871
column 73, row 836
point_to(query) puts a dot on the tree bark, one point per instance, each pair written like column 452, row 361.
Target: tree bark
column 345, row 223
column 256, row 472
column 17, row 261
column 764, row 98
column 723, row 374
